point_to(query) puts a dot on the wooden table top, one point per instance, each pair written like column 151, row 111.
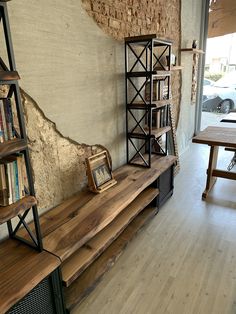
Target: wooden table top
column 231, row 117
column 21, row 269
column 86, row 218
column 217, row 136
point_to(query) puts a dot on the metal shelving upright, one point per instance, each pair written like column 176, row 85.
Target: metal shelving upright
column 20, row 229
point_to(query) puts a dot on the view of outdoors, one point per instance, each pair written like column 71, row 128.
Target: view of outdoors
column 219, row 90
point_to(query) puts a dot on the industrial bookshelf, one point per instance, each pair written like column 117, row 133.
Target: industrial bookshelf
column 17, row 195
column 149, row 126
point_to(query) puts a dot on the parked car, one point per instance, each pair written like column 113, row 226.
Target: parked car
column 221, row 95
column 207, row 82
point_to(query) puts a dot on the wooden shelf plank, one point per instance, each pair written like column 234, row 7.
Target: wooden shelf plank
column 177, row 67
column 155, row 132
column 143, row 39
column 21, row 270
column 82, row 258
column 92, row 275
column 8, row 212
column 103, row 208
column 13, row 146
column 163, row 166
column 64, row 212
column 149, row 73
column 9, row 76
column 192, row 50
column 154, row 105
column 140, row 38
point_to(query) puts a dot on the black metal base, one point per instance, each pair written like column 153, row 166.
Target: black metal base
column 45, row 298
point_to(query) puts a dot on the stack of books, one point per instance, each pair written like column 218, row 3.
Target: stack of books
column 6, row 120
column 12, row 179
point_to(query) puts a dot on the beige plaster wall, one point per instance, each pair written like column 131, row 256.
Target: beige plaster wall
column 72, row 71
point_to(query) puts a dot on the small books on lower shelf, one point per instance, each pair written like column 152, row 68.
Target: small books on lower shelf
column 12, row 179
column 6, row 120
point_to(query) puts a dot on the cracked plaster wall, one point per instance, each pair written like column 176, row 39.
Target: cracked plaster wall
column 57, row 162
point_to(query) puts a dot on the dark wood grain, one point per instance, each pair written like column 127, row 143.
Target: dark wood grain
column 9, row 75
column 140, row 38
column 8, row 212
column 64, row 212
column 149, row 73
column 93, row 274
column 82, row 258
column 217, row 136
column 13, row 146
column 104, row 208
column 21, row 269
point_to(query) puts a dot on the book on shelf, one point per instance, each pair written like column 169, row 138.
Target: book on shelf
column 6, row 120
column 159, row 90
column 12, row 179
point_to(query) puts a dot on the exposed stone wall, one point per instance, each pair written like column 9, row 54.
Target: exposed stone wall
column 123, row 18
column 58, row 163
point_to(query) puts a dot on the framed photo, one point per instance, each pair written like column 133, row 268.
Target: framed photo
column 99, row 173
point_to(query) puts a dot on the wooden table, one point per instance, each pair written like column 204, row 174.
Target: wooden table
column 231, row 117
column 214, row 137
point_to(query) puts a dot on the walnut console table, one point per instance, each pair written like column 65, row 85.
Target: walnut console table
column 88, row 232
column 82, row 238
column 214, row 137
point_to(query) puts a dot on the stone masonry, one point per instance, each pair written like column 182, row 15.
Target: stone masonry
column 58, row 163
column 123, row 18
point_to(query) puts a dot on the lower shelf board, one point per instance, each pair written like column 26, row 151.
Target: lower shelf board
column 80, row 260
column 80, row 288
column 19, row 207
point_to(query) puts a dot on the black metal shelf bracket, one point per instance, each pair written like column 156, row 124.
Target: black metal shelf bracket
column 21, row 230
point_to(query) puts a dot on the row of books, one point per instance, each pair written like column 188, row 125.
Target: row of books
column 12, row 179
column 6, row 120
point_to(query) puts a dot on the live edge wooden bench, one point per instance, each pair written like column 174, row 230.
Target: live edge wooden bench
column 86, row 234
column 89, row 231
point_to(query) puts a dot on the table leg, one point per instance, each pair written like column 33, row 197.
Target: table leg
column 211, row 166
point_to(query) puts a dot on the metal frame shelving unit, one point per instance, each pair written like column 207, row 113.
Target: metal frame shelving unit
column 147, row 74
column 22, row 208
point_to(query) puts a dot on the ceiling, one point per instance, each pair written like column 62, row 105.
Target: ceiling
column 222, row 18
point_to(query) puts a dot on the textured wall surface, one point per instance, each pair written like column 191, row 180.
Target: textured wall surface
column 134, row 17
column 126, row 18
column 58, row 163
column 72, row 70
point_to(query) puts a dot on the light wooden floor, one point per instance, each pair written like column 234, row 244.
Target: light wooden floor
column 184, row 261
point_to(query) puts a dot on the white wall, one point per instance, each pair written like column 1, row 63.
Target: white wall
column 191, row 23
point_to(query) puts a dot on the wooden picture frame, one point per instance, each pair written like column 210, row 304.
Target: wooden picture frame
column 99, row 172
